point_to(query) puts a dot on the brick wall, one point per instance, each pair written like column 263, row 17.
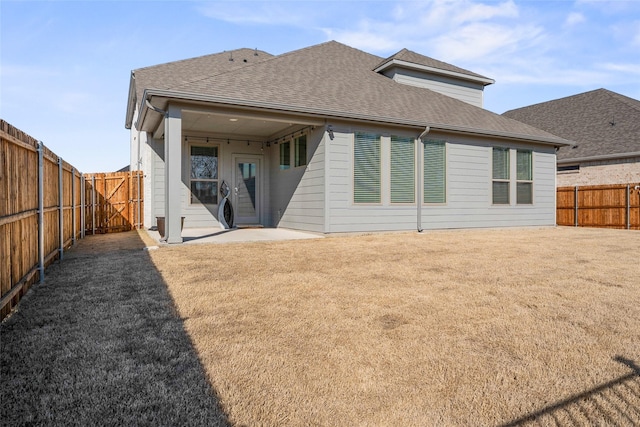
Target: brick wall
column 606, row 172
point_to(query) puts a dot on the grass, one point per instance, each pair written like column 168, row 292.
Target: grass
column 443, row 328
column 481, row 327
column 99, row 343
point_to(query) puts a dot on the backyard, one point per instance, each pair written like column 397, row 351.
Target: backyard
column 468, row 327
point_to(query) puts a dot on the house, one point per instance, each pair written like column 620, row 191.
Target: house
column 606, row 129
column 333, row 139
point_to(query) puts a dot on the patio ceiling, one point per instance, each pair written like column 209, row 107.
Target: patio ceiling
column 232, row 124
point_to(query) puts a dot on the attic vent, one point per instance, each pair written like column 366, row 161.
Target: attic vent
column 255, row 52
column 244, row 60
column 231, row 56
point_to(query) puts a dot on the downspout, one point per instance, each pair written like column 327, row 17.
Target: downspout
column 419, row 188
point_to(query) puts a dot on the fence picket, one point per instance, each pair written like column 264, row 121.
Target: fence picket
column 602, row 206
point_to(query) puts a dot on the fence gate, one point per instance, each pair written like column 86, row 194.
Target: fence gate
column 114, row 201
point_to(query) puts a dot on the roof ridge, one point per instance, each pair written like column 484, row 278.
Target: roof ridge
column 272, row 58
column 200, row 57
column 631, row 102
column 248, row 64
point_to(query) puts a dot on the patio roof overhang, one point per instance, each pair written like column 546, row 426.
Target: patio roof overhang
column 155, row 101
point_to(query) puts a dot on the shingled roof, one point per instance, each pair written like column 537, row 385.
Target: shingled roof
column 335, row 80
column 168, row 75
column 411, row 57
column 601, row 122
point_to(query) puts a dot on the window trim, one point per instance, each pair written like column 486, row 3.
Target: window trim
column 216, row 180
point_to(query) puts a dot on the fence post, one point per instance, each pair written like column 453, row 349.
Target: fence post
column 575, row 205
column 60, row 209
column 93, row 203
column 73, row 205
column 628, row 206
column 41, row 210
column 83, row 205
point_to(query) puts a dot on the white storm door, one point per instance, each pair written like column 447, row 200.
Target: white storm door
column 247, row 188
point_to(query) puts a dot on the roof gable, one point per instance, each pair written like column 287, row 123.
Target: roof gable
column 412, row 59
column 601, row 122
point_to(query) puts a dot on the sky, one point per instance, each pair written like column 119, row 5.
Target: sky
column 65, row 65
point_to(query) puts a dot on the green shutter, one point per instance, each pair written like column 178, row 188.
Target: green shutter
column 366, row 168
column 403, row 187
column 435, row 172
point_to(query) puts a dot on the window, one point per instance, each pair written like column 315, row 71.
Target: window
column 524, row 178
column 403, row 187
column 204, row 175
column 366, row 168
column 569, row 169
column 285, row 155
column 500, row 176
column 300, row 150
column 435, row 171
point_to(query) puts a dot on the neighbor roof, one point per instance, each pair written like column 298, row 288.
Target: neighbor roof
column 603, row 124
column 408, row 57
column 335, row 80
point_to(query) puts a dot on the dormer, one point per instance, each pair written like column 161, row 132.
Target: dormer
column 413, row 69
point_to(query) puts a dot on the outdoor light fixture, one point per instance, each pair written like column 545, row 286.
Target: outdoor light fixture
column 233, row 120
column 330, row 131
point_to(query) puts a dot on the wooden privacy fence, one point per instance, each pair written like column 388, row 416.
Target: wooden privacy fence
column 606, row 206
column 44, row 206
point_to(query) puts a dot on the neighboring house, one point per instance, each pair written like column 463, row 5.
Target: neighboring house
column 605, row 127
column 333, row 139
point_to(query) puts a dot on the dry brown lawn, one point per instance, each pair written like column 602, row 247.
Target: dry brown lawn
column 484, row 327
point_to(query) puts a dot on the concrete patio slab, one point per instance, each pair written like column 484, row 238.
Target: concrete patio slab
column 217, row 235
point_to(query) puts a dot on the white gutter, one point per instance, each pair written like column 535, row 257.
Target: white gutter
column 309, row 111
column 419, row 188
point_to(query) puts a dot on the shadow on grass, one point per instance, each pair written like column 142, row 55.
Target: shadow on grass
column 616, row 402
column 100, row 343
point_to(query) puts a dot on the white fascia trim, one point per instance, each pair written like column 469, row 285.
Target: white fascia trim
column 483, row 80
column 184, row 96
column 596, row 158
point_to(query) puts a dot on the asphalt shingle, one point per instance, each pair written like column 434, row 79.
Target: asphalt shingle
column 601, row 122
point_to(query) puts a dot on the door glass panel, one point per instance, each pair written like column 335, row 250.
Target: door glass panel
column 246, row 185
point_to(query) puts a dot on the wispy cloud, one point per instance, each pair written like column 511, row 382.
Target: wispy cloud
column 574, row 18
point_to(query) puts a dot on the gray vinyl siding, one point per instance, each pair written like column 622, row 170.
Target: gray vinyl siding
column 298, row 193
column 469, row 92
column 156, row 157
column 468, row 192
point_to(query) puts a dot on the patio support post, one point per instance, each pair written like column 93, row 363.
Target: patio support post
column 173, row 174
